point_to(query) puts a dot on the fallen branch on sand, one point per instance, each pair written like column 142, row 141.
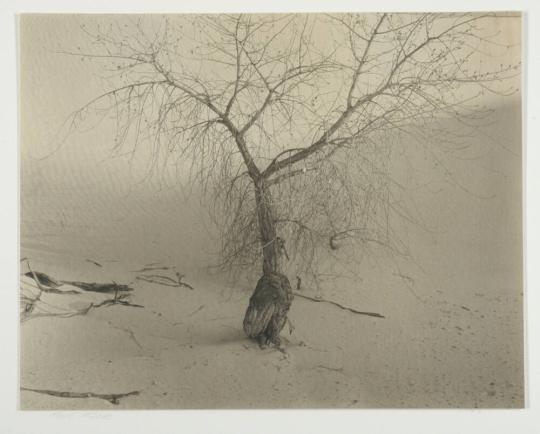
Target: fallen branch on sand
column 94, row 262
column 328, row 368
column 151, row 267
column 159, row 279
column 105, row 288
column 113, row 398
column 40, row 279
column 116, row 300
column 350, row 309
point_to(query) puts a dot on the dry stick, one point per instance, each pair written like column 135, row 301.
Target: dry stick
column 93, row 287
column 151, row 268
column 328, row 368
column 113, row 301
column 180, row 283
column 201, row 307
column 94, row 262
column 99, row 287
column 113, row 398
column 153, row 277
column 44, row 279
column 144, row 278
column 322, row 300
column 131, row 335
column 164, row 280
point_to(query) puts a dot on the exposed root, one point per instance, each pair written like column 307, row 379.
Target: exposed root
column 113, row 398
column 350, row 309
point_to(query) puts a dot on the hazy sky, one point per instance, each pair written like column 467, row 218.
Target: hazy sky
column 77, row 185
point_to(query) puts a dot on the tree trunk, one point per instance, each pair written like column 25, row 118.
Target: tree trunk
column 269, row 304
column 265, row 214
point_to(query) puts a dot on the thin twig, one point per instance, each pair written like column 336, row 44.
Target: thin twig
column 111, row 302
column 131, row 335
column 328, row 368
column 180, row 283
column 94, row 262
column 322, row 300
column 151, row 268
column 165, row 280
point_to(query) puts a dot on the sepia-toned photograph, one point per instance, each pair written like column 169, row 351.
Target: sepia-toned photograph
column 271, row 211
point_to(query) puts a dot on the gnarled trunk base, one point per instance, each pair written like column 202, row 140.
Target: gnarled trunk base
column 266, row 314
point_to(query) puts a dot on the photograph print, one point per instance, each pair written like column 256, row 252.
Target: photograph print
column 234, row 211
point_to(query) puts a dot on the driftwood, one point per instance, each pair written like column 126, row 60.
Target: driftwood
column 350, row 309
column 106, row 288
column 43, row 279
column 113, row 398
column 54, row 290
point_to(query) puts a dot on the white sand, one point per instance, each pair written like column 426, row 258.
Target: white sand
column 186, row 349
column 455, row 339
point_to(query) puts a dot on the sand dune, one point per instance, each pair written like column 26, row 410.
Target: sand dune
column 186, row 349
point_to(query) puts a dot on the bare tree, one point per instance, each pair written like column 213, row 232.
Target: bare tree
column 288, row 121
